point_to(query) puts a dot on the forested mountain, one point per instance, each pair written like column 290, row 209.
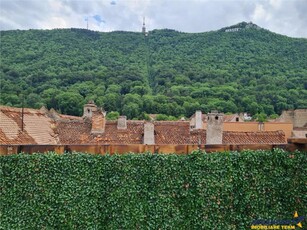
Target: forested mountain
column 169, row 72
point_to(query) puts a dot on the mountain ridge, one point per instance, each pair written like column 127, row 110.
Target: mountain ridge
column 169, row 72
column 242, row 25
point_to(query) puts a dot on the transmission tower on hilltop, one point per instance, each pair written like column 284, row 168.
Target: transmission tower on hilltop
column 144, row 28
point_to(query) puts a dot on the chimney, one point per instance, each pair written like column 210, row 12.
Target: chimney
column 149, row 133
column 260, row 126
column 98, row 122
column 198, row 120
column 214, row 134
column 88, row 109
column 122, row 122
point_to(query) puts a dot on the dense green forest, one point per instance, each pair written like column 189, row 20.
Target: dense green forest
column 167, row 72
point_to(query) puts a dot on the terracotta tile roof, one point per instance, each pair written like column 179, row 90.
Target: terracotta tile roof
column 267, row 137
column 69, row 117
column 21, row 138
column 73, row 132
column 232, row 118
column 18, row 110
column 172, row 132
column 79, row 132
column 198, row 137
column 132, row 135
column 37, row 127
column 64, row 129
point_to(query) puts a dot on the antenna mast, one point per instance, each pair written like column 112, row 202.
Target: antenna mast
column 86, row 23
column 144, row 28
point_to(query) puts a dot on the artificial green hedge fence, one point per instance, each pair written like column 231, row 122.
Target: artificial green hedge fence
column 151, row 191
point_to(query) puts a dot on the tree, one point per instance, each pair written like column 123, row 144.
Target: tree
column 131, row 110
column 112, row 102
column 144, row 116
column 33, row 100
column 190, row 108
column 49, row 97
column 113, row 115
column 132, row 98
column 260, row 117
column 70, row 103
column 253, row 71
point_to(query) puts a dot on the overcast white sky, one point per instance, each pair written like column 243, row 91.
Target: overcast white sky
column 288, row 17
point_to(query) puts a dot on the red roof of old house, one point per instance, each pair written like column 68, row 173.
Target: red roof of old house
column 267, row 137
column 69, row 117
column 198, row 136
column 232, row 118
column 41, row 127
column 37, row 127
column 79, row 132
column 172, row 132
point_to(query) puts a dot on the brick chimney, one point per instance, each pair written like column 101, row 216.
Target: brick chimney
column 98, row 122
column 214, row 134
column 149, row 133
column 122, row 122
column 198, row 120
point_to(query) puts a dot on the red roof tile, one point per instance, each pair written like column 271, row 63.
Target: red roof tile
column 267, row 137
column 232, row 118
column 41, row 129
column 172, row 132
column 198, row 137
column 37, row 127
column 79, row 132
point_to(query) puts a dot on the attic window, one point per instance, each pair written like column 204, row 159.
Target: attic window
column 216, row 117
column 237, row 119
column 88, row 110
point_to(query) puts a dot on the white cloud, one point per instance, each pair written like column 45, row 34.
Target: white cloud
column 282, row 16
column 260, row 14
column 276, row 3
